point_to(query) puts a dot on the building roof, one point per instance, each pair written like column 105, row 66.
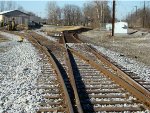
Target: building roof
column 13, row 13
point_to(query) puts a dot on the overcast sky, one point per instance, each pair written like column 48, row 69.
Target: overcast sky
column 123, row 7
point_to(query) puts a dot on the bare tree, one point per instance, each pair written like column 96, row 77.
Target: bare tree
column 10, row 5
column 72, row 15
column 96, row 13
column 99, row 11
column 67, row 15
column 7, row 5
column 88, row 13
column 93, row 14
column 59, row 16
column 78, row 16
column 2, row 6
column 20, row 8
column 139, row 17
column 54, row 13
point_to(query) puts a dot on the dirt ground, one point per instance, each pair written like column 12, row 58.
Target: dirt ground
column 2, row 39
column 52, row 30
column 136, row 45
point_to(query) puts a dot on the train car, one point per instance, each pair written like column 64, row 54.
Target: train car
column 34, row 25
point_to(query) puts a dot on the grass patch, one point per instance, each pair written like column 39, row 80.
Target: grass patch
column 137, row 48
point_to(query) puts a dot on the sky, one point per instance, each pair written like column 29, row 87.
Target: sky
column 39, row 7
column 123, row 7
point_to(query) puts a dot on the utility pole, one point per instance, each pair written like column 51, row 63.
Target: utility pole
column 136, row 17
column 144, row 15
column 102, row 14
column 136, row 10
column 131, row 19
column 113, row 18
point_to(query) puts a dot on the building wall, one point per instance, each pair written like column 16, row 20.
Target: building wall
column 1, row 18
column 108, row 26
column 121, row 27
column 18, row 20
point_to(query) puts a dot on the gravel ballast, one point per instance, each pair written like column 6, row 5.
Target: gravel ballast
column 45, row 35
column 19, row 70
column 136, row 67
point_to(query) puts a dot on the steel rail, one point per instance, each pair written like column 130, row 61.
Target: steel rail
column 51, row 60
column 68, row 101
column 117, row 79
column 139, row 95
column 119, row 72
column 95, row 91
column 71, row 76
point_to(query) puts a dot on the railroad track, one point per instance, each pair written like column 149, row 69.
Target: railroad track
column 92, row 83
column 51, row 84
column 88, row 52
column 106, row 61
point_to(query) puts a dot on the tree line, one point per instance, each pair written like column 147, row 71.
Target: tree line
column 92, row 14
column 140, row 17
column 8, row 5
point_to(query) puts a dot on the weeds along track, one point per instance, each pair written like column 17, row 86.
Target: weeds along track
column 92, row 84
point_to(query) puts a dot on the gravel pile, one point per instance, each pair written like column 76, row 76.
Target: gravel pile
column 134, row 66
column 19, row 69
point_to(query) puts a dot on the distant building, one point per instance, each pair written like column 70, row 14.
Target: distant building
column 120, row 27
column 20, row 17
column 35, row 18
column 108, row 26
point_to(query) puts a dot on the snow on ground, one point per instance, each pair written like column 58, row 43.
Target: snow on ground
column 137, row 67
column 19, row 70
column 45, row 35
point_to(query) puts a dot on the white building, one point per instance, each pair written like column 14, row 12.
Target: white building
column 108, row 26
column 120, row 27
column 20, row 17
